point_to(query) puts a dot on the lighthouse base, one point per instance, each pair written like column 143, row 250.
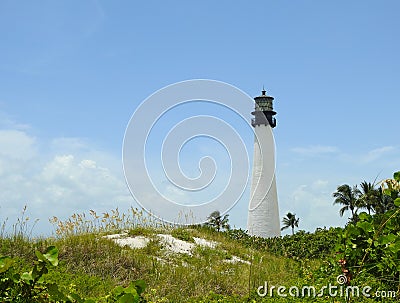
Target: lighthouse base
column 263, row 221
column 263, row 215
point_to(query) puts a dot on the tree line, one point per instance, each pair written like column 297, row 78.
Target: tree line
column 368, row 196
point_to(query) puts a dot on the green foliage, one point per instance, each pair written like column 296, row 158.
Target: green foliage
column 210, row 254
column 371, row 246
column 374, row 199
column 28, row 286
column 139, row 231
column 217, row 298
column 130, row 294
column 348, row 197
column 36, row 286
column 217, row 221
column 182, row 234
column 290, row 221
column 302, row 245
column 396, row 176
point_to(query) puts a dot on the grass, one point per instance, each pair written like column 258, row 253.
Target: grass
column 182, row 234
column 92, row 266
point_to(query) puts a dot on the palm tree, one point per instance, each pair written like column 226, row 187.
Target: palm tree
column 383, row 202
column 368, row 196
column 217, row 221
column 290, row 221
column 348, row 197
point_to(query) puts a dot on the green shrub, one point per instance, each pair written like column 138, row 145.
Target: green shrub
column 139, row 231
column 301, row 245
column 36, row 286
column 371, row 246
column 182, row 234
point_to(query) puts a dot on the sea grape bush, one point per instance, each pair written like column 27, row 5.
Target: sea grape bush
column 34, row 286
column 301, row 245
column 371, row 246
column 28, row 286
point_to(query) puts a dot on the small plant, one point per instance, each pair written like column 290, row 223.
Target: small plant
column 217, row 221
column 130, row 294
column 153, row 247
column 139, row 231
column 290, row 221
column 29, row 286
column 182, row 234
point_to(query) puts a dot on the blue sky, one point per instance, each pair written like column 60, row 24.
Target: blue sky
column 73, row 72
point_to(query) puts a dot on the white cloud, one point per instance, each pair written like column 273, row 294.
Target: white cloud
column 16, row 145
column 319, row 185
column 53, row 183
column 377, row 153
column 312, row 203
column 315, row 150
column 81, row 183
column 7, row 122
column 62, row 144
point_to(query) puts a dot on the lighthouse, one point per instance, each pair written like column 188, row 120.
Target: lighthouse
column 263, row 213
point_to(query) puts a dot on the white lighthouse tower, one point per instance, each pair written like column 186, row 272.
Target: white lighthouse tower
column 263, row 215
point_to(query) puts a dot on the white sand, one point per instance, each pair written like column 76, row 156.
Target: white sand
column 133, row 242
column 175, row 245
column 204, row 242
column 171, row 243
column 235, row 259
